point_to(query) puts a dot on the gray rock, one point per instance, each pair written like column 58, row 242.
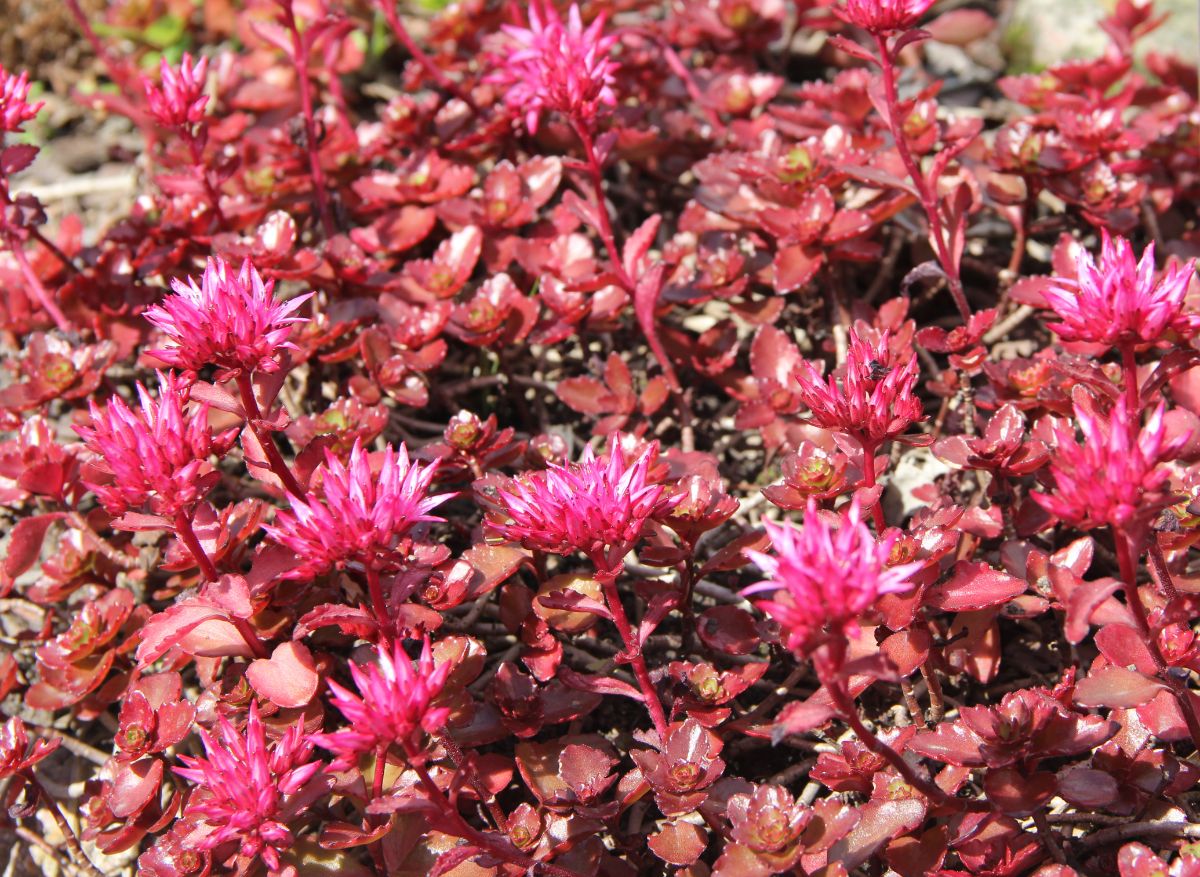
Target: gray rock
column 1037, row 33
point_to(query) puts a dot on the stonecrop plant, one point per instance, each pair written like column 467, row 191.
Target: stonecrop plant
column 725, row 438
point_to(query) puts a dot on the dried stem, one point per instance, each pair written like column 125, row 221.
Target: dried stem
column 1048, row 836
column 78, row 856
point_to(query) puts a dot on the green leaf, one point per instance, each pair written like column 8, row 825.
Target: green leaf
column 167, row 31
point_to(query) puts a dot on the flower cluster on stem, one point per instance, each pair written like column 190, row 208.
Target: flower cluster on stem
column 154, row 456
column 392, row 707
column 558, row 66
column 1113, row 476
column 249, row 790
column 231, row 321
column 822, row 578
column 358, row 512
column 598, row 506
column 1117, row 300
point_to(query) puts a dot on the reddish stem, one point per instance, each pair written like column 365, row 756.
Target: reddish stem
column 254, row 419
column 926, row 194
column 1127, row 554
column 869, row 480
column 380, row 766
column 1133, row 396
column 379, row 603
column 196, row 151
column 54, row 249
column 299, row 58
column 605, row 230
column 183, row 529
column 45, row 299
column 633, row 649
column 459, row 759
column 849, row 714
column 1159, row 561
column 401, row 33
column 500, row 850
column 596, row 175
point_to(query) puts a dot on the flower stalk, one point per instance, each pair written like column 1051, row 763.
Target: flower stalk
column 633, row 650
column 254, row 420
column 926, row 193
column 1127, row 555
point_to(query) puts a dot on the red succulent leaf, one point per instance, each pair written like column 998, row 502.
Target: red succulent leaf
column 728, row 629
column 679, row 843
column 195, row 626
column 1017, row 793
column 586, row 770
column 1087, row 787
column 288, row 678
column 134, row 785
column 879, row 822
column 1116, row 687
column 598, row 684
column 350, row 620
column 25, row 543
column 972, row 586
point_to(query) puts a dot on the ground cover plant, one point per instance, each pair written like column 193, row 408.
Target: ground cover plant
column 621, row 439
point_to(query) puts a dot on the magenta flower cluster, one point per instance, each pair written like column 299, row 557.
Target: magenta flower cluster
column 1117, row 300
column 823, row 577
column 154, row 456
column 231, row 321
column 360, row 512
column 558, row 66
column 598, row 506
column 248, row 790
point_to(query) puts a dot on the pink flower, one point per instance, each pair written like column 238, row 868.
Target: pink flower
column 392, row 704
column 598, row 506
column 360, row 516
column 234, row 323
column 875, row 400
column 178, row 100
column 824, row 578
column 156, row 455
column 557, row 67
column 16, row 753
column 1114, row 476
column 1118, row 302
column 15, row 109
column 883, row 16
column 248, row 791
